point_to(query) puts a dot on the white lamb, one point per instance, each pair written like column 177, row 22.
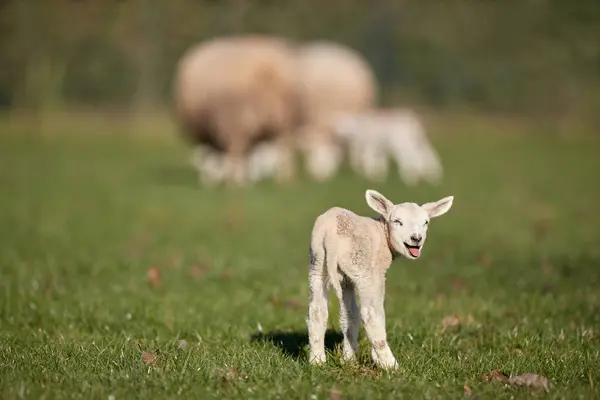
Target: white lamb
column 349, row 252
column 375, row 135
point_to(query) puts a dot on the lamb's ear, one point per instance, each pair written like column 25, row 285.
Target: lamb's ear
column 378, row 202
column 440, row 207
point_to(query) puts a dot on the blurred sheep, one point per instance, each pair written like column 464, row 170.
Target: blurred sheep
column 232, row 93
column 396, row 133
column 335, row 79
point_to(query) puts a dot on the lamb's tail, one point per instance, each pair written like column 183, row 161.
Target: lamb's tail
column 331, row 262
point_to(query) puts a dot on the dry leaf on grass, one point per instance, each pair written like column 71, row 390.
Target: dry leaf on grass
column 530, row 380
column 495, row 376
column 149, row 358
column 154, row 277
column 467, row 390
column 453, row 321
column 450, row 321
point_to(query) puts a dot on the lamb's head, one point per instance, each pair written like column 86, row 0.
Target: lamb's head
column 407, row 223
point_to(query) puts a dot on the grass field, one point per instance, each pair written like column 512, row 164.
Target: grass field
column 84, row 218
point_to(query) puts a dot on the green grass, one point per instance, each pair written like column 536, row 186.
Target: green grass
column 84, row 217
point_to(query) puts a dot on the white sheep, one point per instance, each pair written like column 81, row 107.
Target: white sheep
column 350, row 252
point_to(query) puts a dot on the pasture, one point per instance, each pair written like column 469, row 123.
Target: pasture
column 87, row 220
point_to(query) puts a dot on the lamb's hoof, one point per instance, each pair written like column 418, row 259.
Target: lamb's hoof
column 388, row 364
column 317, row 359
column 384, row 361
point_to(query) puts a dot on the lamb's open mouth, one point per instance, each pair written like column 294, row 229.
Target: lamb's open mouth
column 414, row 251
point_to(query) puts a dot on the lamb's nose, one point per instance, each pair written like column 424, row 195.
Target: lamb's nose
column 416, row 238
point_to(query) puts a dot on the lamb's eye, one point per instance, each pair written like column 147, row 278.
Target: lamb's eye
column 426, row 223
column 397, row 221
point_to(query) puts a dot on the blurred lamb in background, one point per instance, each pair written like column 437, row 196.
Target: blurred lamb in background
column 376, row 135
column 231, row 94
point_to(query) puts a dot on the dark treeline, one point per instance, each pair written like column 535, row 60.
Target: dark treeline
column 525, row 56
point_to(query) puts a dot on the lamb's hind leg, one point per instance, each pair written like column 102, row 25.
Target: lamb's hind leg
column 349, row 320
column 317, row 309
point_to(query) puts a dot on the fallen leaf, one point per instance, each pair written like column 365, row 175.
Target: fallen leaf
column 530, row 380
column 149, row 358
column 154, row 277
column 335, row 394
column 467, row 390
column 449, row 322
column 495, row 376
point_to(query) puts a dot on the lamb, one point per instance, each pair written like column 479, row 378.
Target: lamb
column 350, row 252
column 398, row 133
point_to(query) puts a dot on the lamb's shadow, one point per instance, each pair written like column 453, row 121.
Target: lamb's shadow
column 293, row 343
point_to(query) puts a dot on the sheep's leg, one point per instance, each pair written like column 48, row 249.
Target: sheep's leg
column 236, row 164
column 375, row 163
column 356, row 155
column 323, row 160
column 432, row 168
column 286, row 169
column 405, row 155
column 317, row 313
column 371, row 294
column 349, row 320
column 209, row 164
column 262, row 162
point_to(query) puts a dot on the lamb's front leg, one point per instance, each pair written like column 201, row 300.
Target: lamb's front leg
column 372, row 293
column 349, row 320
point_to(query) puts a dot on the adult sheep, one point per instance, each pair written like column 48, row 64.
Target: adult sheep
column 335, row 79
column 232, row 93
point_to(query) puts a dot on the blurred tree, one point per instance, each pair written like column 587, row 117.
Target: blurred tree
column 535, row 56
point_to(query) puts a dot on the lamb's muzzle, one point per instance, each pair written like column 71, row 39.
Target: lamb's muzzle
column 353, row 253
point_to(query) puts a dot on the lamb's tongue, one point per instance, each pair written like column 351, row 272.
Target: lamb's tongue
column 414, row 251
